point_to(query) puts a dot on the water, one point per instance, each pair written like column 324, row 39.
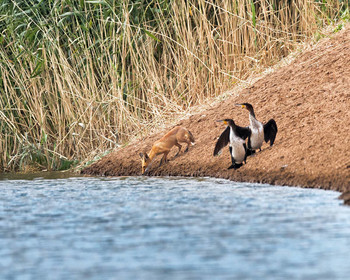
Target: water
column 170, row 228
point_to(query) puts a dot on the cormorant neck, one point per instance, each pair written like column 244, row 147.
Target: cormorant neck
column 251, row 112
column 233, row 127
column 232, row 124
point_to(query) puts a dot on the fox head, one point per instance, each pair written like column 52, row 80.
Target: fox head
column 145, row 162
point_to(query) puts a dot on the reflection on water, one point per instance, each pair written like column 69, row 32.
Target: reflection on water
column 170, row 228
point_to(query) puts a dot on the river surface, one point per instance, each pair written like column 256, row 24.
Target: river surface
column 170, row 228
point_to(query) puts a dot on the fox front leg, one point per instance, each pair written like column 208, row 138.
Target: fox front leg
column 164, row 159
column 179, row 146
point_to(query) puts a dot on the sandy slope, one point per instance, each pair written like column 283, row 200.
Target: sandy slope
column 310, row 101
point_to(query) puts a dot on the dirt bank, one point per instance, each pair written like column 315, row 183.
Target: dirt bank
column 310, row 101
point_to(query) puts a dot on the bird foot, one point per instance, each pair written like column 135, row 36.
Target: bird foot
column 250, row 152
column 235, row 166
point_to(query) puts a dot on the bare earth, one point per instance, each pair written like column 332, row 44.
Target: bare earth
column 310, row 101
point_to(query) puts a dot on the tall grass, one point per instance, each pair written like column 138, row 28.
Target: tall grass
column 82, row 77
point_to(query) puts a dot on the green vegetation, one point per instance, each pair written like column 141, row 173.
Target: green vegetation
column 81, row 77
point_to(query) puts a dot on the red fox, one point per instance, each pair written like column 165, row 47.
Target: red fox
column 164, row 144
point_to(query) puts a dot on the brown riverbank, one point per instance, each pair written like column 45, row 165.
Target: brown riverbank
column 310, row 101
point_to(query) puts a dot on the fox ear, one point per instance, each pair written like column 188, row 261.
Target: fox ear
column 143, row 155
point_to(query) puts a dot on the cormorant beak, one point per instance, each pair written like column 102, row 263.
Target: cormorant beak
column 223, row 121
column 240, row 105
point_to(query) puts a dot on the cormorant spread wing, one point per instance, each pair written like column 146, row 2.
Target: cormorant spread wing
column 223, row 140
column 243, row 132
column 270, row 131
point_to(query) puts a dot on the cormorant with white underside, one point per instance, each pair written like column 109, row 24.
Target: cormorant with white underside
column 259, row 131
column 235, row 135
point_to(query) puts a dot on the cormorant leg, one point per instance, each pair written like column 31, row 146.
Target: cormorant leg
column 237, row 166
column 245, row 149
column 232, row 159
column 250, row 152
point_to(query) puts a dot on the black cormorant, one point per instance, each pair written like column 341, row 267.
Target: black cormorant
column 235, row 135
column 259, row 131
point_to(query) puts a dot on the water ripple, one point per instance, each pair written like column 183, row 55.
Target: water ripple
column 170, row 228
